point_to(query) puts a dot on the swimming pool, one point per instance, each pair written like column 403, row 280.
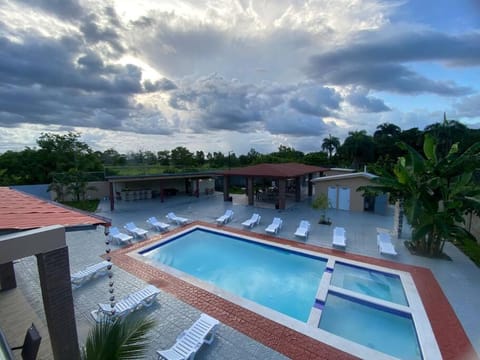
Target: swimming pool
column 318, row 295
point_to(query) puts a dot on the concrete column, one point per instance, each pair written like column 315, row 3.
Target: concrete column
column 54, row 272
column 197, row 187
column 310, row 185
column 112, row 196
column 298, row 188
column 226, row 194
column 162, row 194
column 281, row 193
column 250, row 190
column 7, row 276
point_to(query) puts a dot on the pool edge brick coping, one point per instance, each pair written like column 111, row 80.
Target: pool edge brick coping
column 451, row 338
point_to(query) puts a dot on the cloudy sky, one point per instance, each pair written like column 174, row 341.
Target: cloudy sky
column 231, row 75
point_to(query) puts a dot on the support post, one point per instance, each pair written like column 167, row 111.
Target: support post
column 226, row 194
column 7, row 276
column 310, row 185
column 112, row 196
column 54, row 272
column 281, row 193
column 250, row 190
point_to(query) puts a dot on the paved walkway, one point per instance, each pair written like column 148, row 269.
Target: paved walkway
column 458, row 278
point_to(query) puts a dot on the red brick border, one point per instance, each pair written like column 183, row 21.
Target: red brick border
column 451, row 338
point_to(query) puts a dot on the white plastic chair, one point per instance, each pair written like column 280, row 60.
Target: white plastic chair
column 190, row 341
column 275, row 226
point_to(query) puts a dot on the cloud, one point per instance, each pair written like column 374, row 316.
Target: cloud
column 468, row 107
column 359, row 99
column 214, row 103
column 62, row 8
column 315, row 100
column 96, row 31
column 377, row 61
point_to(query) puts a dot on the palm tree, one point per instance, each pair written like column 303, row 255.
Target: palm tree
column 330, row 144
column 118, row 339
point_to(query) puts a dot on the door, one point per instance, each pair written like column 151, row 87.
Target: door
column 332, row 197
column 344, row 198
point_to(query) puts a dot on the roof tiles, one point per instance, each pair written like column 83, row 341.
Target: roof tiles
column 20, row 211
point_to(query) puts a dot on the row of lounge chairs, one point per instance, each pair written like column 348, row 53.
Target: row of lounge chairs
column 132, row 302
column 133, row 231
column 187, row 343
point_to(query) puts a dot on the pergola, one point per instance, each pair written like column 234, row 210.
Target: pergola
column 31, row 226
column 279, row 172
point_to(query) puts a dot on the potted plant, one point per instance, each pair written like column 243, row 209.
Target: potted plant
column 321, row 203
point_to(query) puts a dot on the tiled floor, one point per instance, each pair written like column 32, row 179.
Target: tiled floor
column 179, row 304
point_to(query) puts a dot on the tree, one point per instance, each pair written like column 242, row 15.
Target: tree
column 330, row 145
column 316, row 158
column 358, row 148
column 119, row 339
column 436, row 191
column 447, row 133
column 181, row 157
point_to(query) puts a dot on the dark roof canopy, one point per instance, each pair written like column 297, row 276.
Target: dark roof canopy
column 20, row 211
column 285, row 170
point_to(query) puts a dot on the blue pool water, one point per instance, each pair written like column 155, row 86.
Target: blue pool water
column 369, row 282
column 380, row 329
column 282, row 280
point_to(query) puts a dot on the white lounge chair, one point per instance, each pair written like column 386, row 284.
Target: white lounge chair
column 81, row 277
column 176, row 219
column 339, row 238
column 158, row 225
column 119, row 237
column 132, row 302
column 303, row 229
column 275, row 226
column 254, row 220
column 135, row 230
column 385, row 246
column 189, row 341
column 225, row 218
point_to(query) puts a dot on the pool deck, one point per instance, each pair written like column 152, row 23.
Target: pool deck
column 451, row 302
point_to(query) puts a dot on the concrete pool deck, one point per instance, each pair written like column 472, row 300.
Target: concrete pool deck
column 178, row 307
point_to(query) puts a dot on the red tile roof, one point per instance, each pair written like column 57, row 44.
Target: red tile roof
column 285, row 170
column 20, row 211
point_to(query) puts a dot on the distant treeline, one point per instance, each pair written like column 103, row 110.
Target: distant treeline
column 63, row 153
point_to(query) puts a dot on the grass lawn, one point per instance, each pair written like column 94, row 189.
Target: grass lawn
column 85, row 205
column 471, row 249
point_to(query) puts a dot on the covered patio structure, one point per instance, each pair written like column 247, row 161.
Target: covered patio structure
column 281, row 173
column 137, row 187
column 31, row 226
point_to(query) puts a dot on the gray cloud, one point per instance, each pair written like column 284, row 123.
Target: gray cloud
column 61, row 8
column 468, row 107
column 217, row 104
column 292, row 123
column 315, row 100
column 163, row 84
column 95, row 33
column 376, row 61
column 360, row 99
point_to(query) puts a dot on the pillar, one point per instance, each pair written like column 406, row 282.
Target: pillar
column 226, row 185
column 7, row 276
column 310, row 185
column 112, row 196
column 298, row 188
column 54, row 272
column 162, row 194
column 281, row 193
column 197, row 187
column 250, row 190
